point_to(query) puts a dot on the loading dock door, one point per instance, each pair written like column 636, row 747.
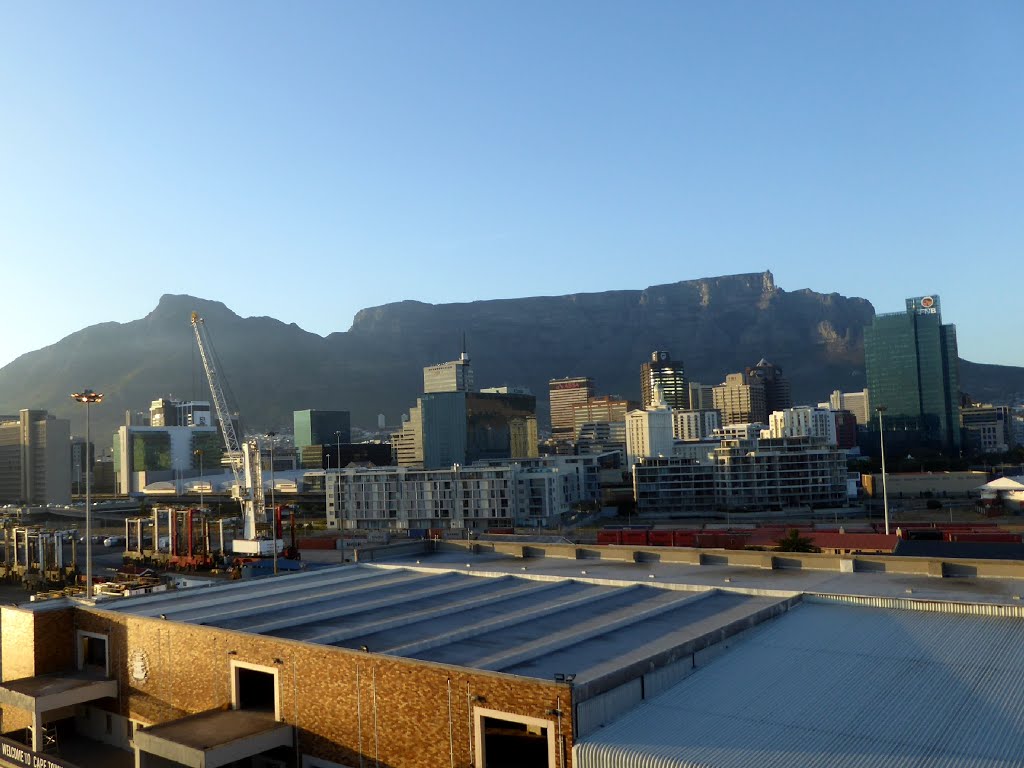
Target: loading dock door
column 508, row 744
column 256, row 690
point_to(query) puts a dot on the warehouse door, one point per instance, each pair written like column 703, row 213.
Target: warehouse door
column 255, row 687
column 511, row 744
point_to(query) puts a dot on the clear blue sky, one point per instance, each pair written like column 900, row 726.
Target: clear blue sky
column 305, row 160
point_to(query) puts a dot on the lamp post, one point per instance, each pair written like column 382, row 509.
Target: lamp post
column 337, row 437
column 885, row 490
column 88, row 397
column 273, row 505
column 199, row 452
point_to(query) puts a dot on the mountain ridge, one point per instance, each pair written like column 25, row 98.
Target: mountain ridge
column 715, row 325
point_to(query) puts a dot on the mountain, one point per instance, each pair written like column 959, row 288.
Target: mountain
column 715, row 325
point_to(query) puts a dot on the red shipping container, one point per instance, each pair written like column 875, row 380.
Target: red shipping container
column 636, row 538
column 684, row 539
column 660, row 538
column 609, row 537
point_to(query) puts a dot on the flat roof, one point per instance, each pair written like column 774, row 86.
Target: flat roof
column 215, row 728
column 838, row 686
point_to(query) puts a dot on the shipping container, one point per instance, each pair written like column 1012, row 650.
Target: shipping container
column 636, row 538
column 660, row 538
column 609, row 536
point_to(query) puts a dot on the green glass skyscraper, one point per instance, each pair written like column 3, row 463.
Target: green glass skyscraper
column 913, row 371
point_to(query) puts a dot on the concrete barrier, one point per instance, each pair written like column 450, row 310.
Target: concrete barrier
column 813, row 561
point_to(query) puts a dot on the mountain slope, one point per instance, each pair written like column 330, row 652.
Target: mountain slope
column 715, row 325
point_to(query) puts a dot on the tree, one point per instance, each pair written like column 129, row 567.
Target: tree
column 794, row 542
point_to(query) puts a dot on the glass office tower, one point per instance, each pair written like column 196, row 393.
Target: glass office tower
column 662, row 371
column 913, row 371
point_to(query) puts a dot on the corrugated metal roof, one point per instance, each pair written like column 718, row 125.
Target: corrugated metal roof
column 842, row 687
column 517, row 625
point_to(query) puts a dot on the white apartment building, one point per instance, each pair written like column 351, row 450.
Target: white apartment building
column 648, row 433
column 695, row 424
column 770, row 474
column 740, row 431
column 804, row 421
column 474, row 497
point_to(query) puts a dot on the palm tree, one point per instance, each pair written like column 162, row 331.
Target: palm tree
column 794, row 542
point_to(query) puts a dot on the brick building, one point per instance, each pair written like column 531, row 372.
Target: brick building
column 573, row 656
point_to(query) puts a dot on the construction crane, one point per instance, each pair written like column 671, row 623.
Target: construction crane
column 244, row 459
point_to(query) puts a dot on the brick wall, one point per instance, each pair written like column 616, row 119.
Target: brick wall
column 343, row 702
column 36, row 642
column 32, row 643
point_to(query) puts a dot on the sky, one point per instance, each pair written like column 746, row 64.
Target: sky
column 306, row 160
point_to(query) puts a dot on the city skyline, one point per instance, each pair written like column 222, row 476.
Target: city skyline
column 230, row 150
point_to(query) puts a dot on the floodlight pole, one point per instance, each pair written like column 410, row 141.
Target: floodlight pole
column 88, row 397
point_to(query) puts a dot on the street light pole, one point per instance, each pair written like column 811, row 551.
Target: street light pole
column 273, row 505
column 88, row 397
column 885, row 489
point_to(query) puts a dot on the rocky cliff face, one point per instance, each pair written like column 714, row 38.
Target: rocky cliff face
column 715, row 325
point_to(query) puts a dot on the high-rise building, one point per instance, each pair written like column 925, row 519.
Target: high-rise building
column 741, row 400
column 454, row 376
column 608, row 409
column 499, row 425
column 857, row 403
column 165, row 412
column 913, row 372
column 649, row 432
column 34, row 458
column 563, row 395
column 447, row 428
column 777, row 395
column 662, row 371
column 702, row 396
column 320, row 427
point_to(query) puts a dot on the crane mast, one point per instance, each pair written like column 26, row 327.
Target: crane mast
column 244, row 459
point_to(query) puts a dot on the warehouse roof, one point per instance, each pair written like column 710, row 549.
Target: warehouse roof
column 839, row 686
column 526, row 625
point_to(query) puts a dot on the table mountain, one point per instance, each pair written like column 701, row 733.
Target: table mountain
column 715, row 325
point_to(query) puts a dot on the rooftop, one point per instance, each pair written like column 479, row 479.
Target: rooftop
column 839, row 686
column 522, row 624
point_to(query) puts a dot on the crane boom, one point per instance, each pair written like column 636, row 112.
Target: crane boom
column 217, row 393
column 244, row 460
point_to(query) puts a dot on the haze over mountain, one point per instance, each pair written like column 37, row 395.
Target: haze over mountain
column 715, row 325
